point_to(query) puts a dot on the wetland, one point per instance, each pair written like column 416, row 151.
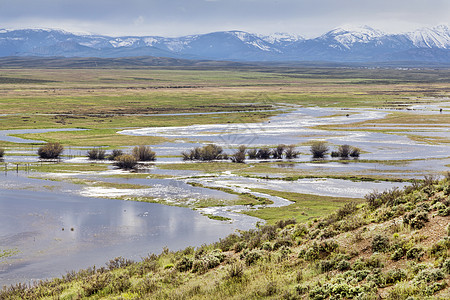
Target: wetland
column 73, row 212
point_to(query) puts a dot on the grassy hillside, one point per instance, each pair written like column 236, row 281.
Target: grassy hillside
column 395, row 245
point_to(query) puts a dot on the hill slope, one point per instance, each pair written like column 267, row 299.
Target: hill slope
column 395, row 246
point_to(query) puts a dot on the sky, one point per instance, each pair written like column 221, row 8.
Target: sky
column 171, row 18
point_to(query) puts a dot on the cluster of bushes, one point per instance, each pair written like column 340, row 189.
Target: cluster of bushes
column 319, row 149
column 50, row 151
column 96, row 153
column 214, row 152
column 278, row 152
column 205, row 153
column 346, row 151
column 121, row 160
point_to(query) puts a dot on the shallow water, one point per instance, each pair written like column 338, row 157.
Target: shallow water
column 39, row 225
column 5, row 134
column 322, row 187
column 294, row 128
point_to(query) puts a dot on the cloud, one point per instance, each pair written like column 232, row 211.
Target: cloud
column 180, row 17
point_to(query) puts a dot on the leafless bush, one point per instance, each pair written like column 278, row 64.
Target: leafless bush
column 239, row 156
column 277, row 153
column 144, row 153
column 290, row 152
column 319, row 149
column 50, row 150
column 96, row 153
column 126, row 161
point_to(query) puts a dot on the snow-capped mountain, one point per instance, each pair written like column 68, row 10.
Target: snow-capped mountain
column 437, row 37
column 346, row 37
column 343, row 44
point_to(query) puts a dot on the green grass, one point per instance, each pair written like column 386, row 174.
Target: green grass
column 94, row 138
column 66, row 167
column 218, row 218
column 305, row 206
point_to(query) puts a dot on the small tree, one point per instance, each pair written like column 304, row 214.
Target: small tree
column 252, row 153
column 50, row 150
column 344, row 151
column 277, row 153
column 355, row 152
column 290, row 152
column 96, row 153
column 239, row 156
column 207, row 153
column 319, row 149
column 144, row 153
column 211, row 152
column 263, row 153
column 115, row 153
column 126, row 161
column 2, row 152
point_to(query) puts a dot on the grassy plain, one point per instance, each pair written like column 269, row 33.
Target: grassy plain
column 104, row 100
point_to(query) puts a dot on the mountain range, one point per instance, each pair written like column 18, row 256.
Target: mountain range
column 343, row 44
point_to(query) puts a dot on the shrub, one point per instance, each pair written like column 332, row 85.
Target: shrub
column 290, row 152
column 380, row 243
column 50, row 150
column 2, row 152
column 207, row 153
column 394, row 276
column 239, row 246
column 120, row 283
column 239, row 156
column 252, row 154
column 126, row 161
column 277, row 153
column 344, row 151
column 143, row 153
column 95, row 283
column 235, row 271
column 185, row 264
column 414, row 253
column 211, row 152
column 446, row 266
column 429, row 275
column 417, row 218
column 441, row 248
column 96, row 153
column 253, row 256
column 193, row 154
column 390, row 197
column 115, row 153
column 208, row 261
column 347, row 209
column 355, row 152
column 334, row 154
column 319, row 149
column 263, row 153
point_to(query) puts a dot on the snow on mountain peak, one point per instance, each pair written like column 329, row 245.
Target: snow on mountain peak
column 436, row 37
column 280, row 37
column 348, row 35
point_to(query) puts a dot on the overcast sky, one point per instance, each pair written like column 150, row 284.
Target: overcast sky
column 309, row 18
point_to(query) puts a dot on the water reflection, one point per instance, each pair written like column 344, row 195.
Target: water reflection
column 57, row 232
